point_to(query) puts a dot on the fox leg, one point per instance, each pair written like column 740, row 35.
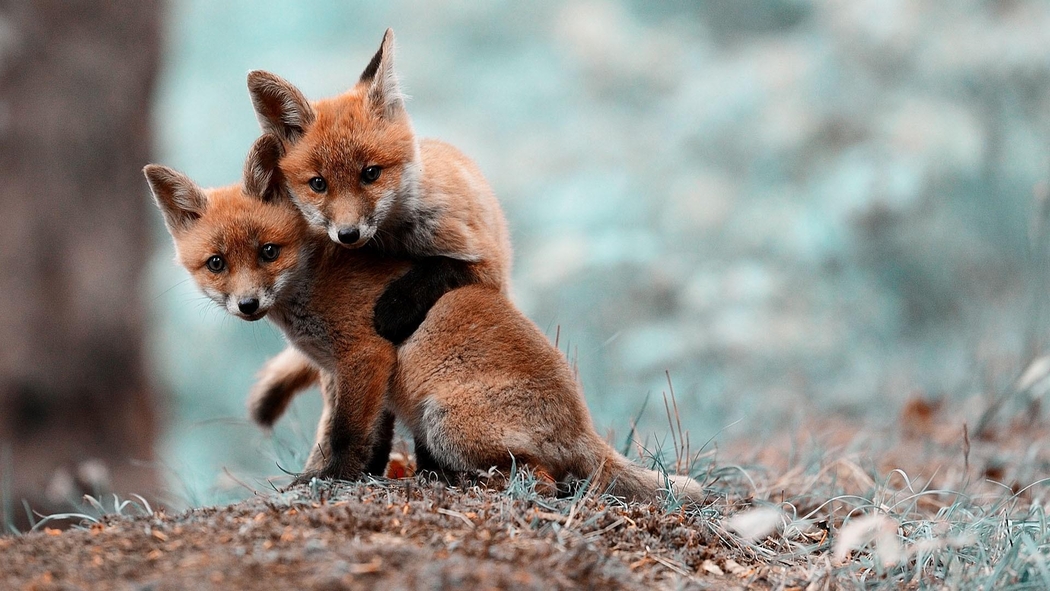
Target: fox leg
column 461, row 437
column 406, row 301
column 279, row 380
column 287, row 374
column 355, row 412
column 424, row 461
column 428, row 465
column 321, row 450
column 382, row 443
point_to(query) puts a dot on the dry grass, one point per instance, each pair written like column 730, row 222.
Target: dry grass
column 919, row 504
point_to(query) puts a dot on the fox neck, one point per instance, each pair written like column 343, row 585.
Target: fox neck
column 293, row 313
column 414, row 218
column 406, row 207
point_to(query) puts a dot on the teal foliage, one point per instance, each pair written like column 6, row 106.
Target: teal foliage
column 792, row 206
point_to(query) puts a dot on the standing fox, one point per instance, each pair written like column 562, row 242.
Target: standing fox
column 358, row 173
column 247, row 249
column 478, row 383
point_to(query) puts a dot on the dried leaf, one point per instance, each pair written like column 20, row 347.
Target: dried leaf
column 712, row 568
column 372, row 566
column 734, row 567
column 859, row 532
column 1037, row 371
column 756, row 523
column 918, row 417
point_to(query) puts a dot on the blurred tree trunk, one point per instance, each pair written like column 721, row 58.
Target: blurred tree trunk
column 76, row 78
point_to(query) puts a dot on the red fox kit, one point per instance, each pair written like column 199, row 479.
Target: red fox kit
column 249, row 250
column 357, row 171
column 478, row 383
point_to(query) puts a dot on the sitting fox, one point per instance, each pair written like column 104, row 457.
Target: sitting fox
column 477, row 383
column 358, row 173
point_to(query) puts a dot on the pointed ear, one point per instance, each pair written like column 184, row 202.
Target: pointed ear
column 180, row 200
column 384, row 92
column 282, row 110
column 262, row 173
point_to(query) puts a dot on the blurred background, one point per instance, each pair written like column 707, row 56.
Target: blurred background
column 791, row 208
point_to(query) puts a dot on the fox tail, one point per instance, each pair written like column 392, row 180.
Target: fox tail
column 279, row 380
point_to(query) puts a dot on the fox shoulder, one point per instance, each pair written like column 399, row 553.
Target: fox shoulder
column 467, row 220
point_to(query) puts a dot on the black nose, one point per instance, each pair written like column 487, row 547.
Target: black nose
column 248, row 305
column 349, row 235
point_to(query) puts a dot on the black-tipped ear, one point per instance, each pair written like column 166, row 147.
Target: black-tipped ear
column 262, row 172
column 282, row 110
column 384, row 91
column 180, row 200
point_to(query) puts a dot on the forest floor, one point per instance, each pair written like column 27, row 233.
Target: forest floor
column 939, row 499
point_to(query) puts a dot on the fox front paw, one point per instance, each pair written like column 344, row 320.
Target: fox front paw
column 310, row 475
column 334, row 470
column 305, row 478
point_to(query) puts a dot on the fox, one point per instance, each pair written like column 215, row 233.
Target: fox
column 247, row 253
column 477, row 382
column 357, row 172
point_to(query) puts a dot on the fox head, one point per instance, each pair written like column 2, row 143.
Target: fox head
column 243, row 244
column 351, row 160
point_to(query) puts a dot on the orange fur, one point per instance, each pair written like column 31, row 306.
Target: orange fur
column 478, row 383
column 310, row 281
column 280, row 379
column 429, row 200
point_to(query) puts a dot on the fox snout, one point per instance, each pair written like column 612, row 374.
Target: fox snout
column 351, row 236
column 348, row 236
column 246, row 306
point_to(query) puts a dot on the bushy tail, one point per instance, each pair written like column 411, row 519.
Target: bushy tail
column 279, row 380
column 612, row 473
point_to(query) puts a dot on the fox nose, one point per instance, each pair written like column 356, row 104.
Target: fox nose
column 248, row 305
column 349, row 235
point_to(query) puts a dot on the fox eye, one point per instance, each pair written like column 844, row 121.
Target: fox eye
column 371, row 174
column 317, row 184
column 215, row 264
column 269, row 252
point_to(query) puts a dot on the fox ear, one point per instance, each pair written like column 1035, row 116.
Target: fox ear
column 282, row 110
column 262, row 174
column 384, row 91
column 180, row 200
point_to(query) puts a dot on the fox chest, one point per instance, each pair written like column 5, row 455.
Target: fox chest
column 308, row 333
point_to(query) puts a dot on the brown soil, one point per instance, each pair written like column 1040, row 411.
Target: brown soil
column 400, row 535
column 410, row 534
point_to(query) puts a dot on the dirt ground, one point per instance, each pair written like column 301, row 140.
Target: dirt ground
column 399, row 535
column 954, row 493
